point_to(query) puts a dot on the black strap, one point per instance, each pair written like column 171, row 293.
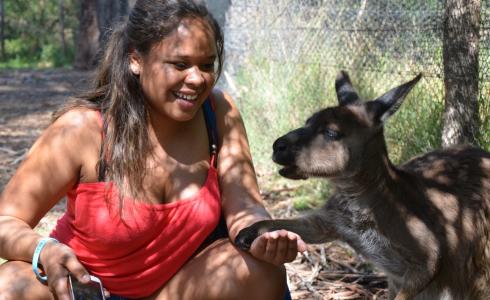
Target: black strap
column 101, row 177
column 210, row 118
column 102, row 163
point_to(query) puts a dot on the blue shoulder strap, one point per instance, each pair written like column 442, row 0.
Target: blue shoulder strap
column 210, row 118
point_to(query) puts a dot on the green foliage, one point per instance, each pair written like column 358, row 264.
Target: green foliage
column 17, row 46
column 33, row 33
column 53, row 56
column 484, row 101
column 484, row 110
column 17, row 63
column 276, row 98
column 311, row 195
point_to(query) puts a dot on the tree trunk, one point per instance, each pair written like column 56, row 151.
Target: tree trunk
column 460, row 55
column 62, row 27
column 2, row 30
column 88, row 36
column 109, row 13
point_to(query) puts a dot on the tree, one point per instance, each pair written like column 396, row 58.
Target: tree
column 96, row 19
column 62, row 27
column 109, row 13
column 88, row 36
column 460, row 55
column 2, row 30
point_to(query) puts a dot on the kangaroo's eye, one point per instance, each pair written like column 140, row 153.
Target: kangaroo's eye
column 332, row 134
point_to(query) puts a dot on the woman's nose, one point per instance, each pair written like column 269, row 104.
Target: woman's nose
column 194, row 76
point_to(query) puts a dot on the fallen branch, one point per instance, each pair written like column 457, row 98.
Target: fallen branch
column 351, row 276
column 342, row 264
column 8, row 150
column 19, row 158
column 307, row 284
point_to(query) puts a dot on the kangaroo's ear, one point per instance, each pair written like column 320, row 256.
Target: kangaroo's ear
column 386, row 105
column 345, row 92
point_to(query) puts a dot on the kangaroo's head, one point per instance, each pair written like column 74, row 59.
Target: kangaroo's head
column 336, row 140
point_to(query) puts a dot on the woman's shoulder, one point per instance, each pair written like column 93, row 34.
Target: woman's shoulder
column 220, row 95
column 223, row 102
column 79, row 120
column 69, row 143
column 77, row 129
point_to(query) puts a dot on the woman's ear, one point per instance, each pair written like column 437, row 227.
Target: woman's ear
column 135, row 63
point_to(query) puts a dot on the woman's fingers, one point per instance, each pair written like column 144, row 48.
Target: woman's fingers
column 76, row 269
column 300, row 244
column 283, row 245
column 292, row 246
column 58, row 261
column 277, row 247
column 58, row 282
column 106, row 293
column 271, row 246
column 258, row 246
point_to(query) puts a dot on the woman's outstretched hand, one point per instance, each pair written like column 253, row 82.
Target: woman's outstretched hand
column 277, row 247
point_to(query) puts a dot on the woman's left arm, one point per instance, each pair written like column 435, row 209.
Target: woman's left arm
column 241, row 201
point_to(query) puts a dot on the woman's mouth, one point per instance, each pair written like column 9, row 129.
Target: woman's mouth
column 185, row 101
column 185, row 97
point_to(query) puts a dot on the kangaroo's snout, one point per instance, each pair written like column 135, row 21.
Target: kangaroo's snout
column 285, row 152
column 286, row 147
column 281, row 154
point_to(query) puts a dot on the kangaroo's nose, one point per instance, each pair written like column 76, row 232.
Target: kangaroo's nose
column 280, row 145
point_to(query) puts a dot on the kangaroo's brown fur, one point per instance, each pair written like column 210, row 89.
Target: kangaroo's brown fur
column 425, row 223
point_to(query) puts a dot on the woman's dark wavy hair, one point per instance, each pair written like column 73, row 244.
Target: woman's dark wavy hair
column 117, row 92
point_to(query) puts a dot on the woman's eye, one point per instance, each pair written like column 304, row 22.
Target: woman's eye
column 208, row 67
column 180, row 66
column 332, row 134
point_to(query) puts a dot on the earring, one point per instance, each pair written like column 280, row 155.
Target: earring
column 135, row 69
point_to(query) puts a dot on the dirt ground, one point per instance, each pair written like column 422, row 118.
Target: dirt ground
column 27, row 100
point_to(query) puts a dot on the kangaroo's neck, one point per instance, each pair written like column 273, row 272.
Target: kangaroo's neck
column 372, row 175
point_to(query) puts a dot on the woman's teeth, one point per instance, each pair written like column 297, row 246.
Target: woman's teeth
column 186, row 97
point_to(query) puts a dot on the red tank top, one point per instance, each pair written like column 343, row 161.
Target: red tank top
column 136, row 254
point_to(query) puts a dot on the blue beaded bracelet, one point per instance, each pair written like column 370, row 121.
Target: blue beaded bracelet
column 35, row 257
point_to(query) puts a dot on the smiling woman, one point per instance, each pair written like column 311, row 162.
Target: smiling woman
column 157, row 171
column 178, row 73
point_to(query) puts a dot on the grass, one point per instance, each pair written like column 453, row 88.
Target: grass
column 484, row 111
column 273, row 101
column 49, row 58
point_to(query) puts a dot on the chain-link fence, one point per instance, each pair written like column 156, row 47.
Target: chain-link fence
column 278, row 45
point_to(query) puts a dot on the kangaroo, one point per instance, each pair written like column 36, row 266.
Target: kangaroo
column 425, row 223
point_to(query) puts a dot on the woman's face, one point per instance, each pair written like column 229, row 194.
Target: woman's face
column 178, row 73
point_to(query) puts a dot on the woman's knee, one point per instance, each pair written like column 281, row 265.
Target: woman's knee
column 221, row 271
column 18, row 282
column 264, row 280
column 249, row 277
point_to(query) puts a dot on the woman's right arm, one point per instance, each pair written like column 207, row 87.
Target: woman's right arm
column 51, row 167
